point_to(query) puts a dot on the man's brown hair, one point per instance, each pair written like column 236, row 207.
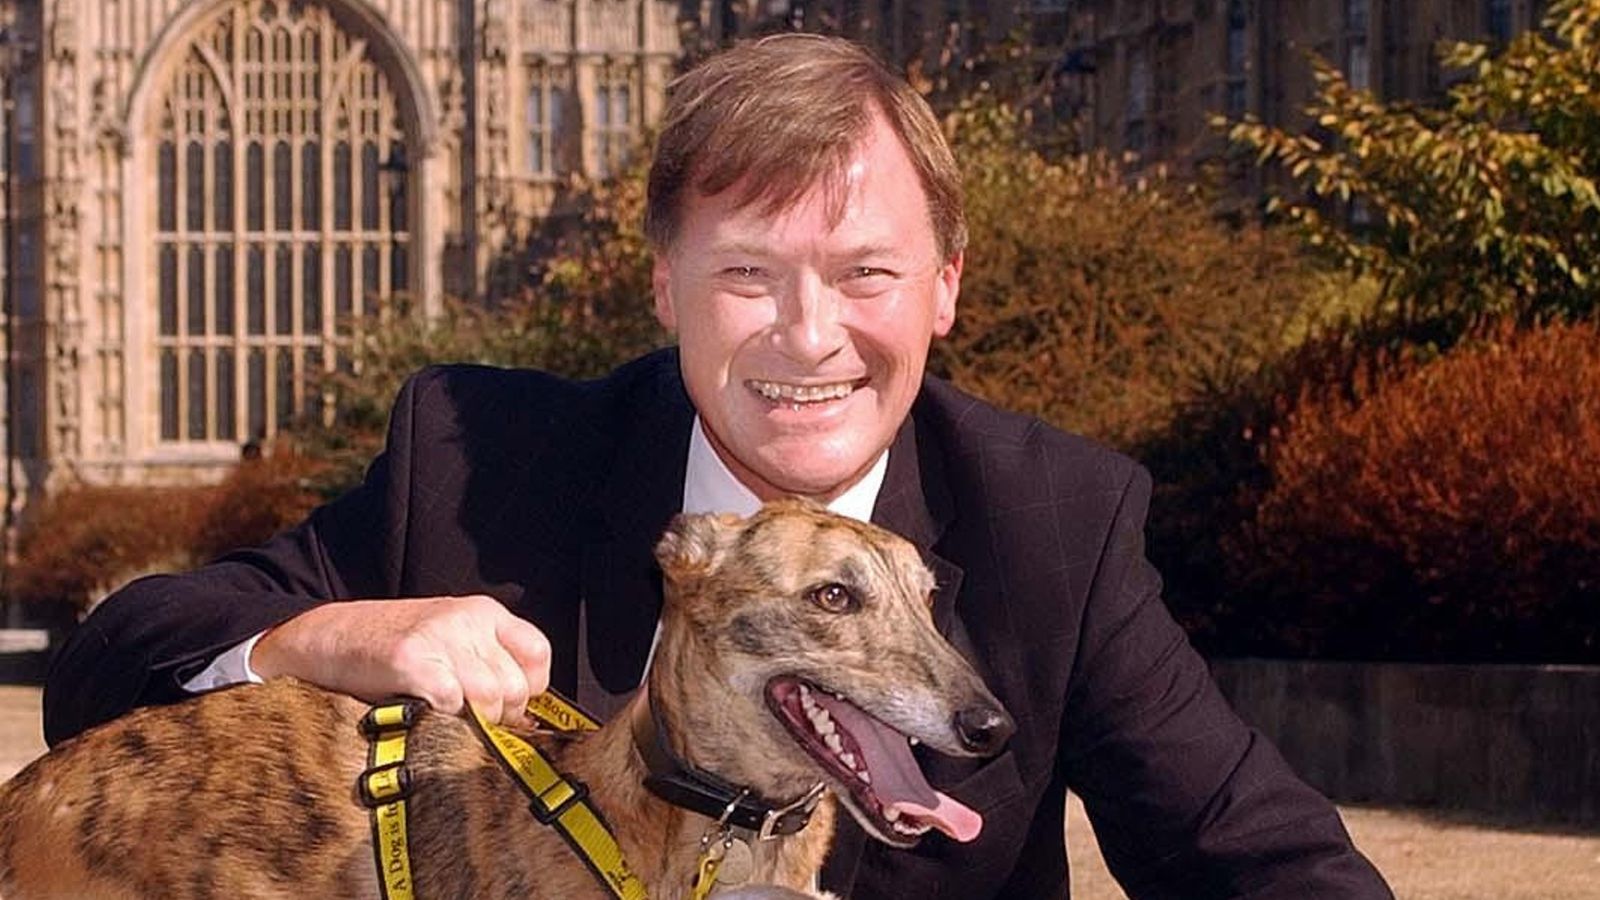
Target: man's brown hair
column 783, row 114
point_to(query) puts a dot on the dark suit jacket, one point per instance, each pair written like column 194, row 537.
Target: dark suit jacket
column 549, row 495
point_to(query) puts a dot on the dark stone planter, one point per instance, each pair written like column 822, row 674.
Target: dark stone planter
column 1520, row 742
column 24, row 655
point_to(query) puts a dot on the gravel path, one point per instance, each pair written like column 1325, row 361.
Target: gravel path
column 21, row 733
column 1424, row 856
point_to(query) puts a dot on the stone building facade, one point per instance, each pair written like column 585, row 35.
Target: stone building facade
column 201, row 192
column 1145, row 76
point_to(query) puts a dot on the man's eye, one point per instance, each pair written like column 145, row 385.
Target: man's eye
column 867, row 272
column 743, row 272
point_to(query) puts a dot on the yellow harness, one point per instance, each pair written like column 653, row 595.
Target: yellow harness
column 554, row 800
column 560, row 802
column 384, row 787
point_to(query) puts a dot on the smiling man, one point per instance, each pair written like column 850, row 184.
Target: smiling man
column 803, row 332
column 806, row 215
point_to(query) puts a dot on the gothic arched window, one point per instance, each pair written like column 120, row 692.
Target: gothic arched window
column 274, row 223
column 615, row 112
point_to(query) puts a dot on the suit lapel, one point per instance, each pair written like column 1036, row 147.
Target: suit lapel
column 915, row 503
column 642, row 488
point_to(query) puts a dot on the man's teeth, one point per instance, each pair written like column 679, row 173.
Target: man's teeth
column 779, row 392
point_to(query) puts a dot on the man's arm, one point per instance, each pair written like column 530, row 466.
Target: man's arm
column 1186, row 800
column 144, row 642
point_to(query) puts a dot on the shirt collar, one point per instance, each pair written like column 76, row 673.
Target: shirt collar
column 708, row 486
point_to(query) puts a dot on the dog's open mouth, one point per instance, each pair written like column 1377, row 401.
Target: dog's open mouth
column 872, row 761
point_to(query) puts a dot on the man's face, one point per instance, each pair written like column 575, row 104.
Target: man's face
column 803, row 341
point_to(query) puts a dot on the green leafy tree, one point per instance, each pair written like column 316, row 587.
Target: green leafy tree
column 1483, row 206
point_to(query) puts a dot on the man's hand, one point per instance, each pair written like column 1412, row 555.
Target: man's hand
column 445, row 650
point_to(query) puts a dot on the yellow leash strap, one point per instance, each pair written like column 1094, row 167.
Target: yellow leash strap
column 564, row 804
column 560, row 713
column 384, row 787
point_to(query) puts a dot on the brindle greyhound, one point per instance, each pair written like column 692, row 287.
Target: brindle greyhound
column 796, row 649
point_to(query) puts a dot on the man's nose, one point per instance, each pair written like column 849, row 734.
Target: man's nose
column 809, row 330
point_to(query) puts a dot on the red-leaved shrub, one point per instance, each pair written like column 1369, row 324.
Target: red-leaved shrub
column 1451, row 511
column 258, row 499
column 85, row 541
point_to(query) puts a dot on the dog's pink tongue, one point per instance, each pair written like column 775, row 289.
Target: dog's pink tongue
column 950, row 816
column 896, row 778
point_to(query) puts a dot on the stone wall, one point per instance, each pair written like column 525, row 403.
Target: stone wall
column 1516, row 741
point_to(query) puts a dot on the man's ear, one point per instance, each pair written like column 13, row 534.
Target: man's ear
column 948, row 288
column 661, row 289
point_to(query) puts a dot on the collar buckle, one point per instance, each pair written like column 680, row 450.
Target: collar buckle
column 777, row 823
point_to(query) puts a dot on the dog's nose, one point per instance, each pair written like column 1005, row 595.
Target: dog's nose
column 984, row 729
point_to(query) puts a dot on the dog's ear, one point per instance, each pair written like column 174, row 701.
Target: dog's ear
column 694, row 544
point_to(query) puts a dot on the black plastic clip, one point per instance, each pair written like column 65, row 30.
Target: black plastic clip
column 382, row 785
column 400, row 713
column 545, row 813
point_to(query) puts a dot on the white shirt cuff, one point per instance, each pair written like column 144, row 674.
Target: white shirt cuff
column 231, row 667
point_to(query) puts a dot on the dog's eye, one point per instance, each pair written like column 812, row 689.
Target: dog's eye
column 835, row 598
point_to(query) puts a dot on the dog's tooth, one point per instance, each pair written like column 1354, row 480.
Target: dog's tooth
column 892, row 815
column 866, row 777
column 914, row 741
column 848, row 759
column 833, row 742
column 821, row 722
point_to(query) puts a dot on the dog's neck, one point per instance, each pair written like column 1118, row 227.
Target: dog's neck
column 662, row 842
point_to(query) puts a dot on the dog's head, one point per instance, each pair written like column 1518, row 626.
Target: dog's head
column 803, row 646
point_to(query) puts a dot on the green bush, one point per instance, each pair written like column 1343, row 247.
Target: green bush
column 1103, row 301
column 1482, row 206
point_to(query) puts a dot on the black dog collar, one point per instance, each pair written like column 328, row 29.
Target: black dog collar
column 682, row 785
